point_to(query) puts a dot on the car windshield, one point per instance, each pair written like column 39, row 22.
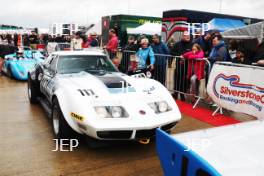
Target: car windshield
column 90, row 64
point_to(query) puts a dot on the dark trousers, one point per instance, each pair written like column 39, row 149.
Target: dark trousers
column 181, row 83
column 160, row 73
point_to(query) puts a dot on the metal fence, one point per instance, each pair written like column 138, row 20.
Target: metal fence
column 182, row 77
column 53, row 46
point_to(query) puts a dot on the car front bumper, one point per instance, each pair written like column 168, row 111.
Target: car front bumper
column 128, row 129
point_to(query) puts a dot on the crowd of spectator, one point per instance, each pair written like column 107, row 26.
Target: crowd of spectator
column 187, row 55
column 33, row 39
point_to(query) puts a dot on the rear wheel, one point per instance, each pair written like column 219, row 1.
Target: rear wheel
column 60, row 126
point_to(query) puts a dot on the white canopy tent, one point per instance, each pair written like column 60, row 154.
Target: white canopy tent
column 251, row 31
column 147, row 28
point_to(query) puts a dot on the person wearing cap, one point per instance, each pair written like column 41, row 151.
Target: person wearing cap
column 145, row 55
column 77, row 41
column 91, row 41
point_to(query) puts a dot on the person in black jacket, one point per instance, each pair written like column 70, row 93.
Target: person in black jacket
column 180, row 75
column 128, row 50
column 241, row 56
column 26, row 41
column 15, row 39
column 205, row 42
column 161, row 50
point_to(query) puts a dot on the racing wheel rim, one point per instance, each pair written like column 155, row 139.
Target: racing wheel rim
column 56, row 121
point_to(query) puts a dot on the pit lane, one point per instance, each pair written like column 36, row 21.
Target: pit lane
column 26, row 144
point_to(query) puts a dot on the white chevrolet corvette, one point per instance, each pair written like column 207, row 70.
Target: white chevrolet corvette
column 82, row 91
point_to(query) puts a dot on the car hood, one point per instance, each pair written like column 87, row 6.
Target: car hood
column 24, row 65
column 106, row 85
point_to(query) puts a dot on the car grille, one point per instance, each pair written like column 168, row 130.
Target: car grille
column 114, row 134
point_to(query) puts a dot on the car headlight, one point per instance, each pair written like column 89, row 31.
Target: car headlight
column 101, row 111
column 159, row 107
column 116, row 111
column 162, row 106
column 154, row 107
column 111, row 112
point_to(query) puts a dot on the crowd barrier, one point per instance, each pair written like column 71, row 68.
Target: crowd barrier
column 237, row 87
column 179, row 75
column 53, row 46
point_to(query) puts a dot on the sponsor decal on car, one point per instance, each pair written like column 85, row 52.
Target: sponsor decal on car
column 77, row 117
column 149, row 90
column 86, row 92
column 230, row 89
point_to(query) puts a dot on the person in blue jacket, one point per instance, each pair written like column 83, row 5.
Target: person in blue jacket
column 145, row 55
column 219, row 51
column 162, row 51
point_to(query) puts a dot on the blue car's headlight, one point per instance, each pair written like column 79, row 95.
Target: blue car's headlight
column 111, row 111
column 160, row 107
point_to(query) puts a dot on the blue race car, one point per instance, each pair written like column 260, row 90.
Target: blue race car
column 228, row 150
column 18, row 65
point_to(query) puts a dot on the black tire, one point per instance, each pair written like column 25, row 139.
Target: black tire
column 33, row 91
column 60, row 127
column 9, row 72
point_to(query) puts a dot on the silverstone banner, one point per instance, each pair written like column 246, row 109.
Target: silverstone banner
column 237, row 87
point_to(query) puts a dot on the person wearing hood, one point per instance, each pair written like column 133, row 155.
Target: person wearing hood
column 219, row 51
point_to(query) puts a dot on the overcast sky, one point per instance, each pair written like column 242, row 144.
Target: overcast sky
column 41, row 13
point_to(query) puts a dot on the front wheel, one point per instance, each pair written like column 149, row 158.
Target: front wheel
column 60, row 126
column 32, row 91
column 9, row 72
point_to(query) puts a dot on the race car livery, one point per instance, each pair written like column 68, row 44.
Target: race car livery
column 83, row 92
column 17, row 67
column 228, row 150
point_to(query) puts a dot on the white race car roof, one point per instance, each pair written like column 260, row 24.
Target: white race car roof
column 80, row 53
column 231, row 150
